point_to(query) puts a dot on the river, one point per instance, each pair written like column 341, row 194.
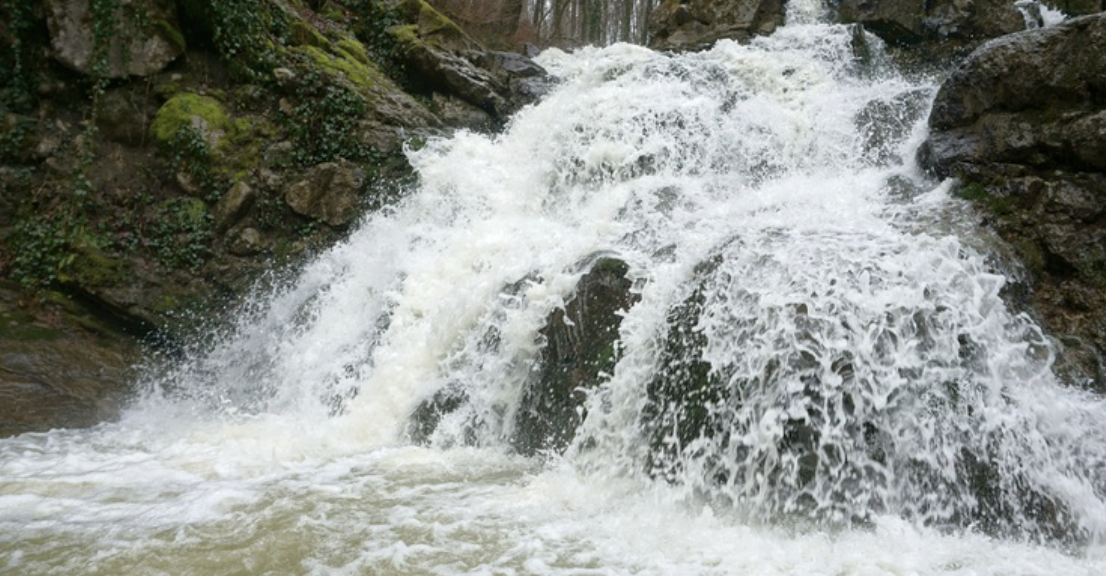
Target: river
column 847, row 292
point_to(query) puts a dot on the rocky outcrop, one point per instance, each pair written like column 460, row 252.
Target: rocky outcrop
column 240, row 139
column 580, row 350
column 579, row 347
column 136, row 38
column 1022, row 125
column 914, row 21
column 58, row 369
column 697, row 24
column 443, row 59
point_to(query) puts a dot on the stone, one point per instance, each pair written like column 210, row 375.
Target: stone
column 1022, row 125
column 143, row 37
column 460, row 114
column 698, row 24
column 913, row 21
column 580, row 347
column 205, row 115
column 284, row 76
column 443, row 58
column 233, row 205
column 331, row 192
column 246, row 242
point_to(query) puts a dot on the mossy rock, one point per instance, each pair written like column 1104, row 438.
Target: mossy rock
column 365, row 76
column 202, row 113
column 21, row 326
column 434, row 28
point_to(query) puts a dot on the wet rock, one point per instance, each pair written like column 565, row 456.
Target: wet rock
column 331, row 192
column 913, row 21
column 697, row 24
column 794, row 403
column 580, row 350
column 56, row 372
column 456, row 112
column 884, row 124
column 442, row 58
column 1022, row 125
column 143, row 37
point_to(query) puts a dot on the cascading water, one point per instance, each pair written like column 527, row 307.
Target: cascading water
column 819, row 375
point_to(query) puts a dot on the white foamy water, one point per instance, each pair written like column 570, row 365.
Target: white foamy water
column 843, row 297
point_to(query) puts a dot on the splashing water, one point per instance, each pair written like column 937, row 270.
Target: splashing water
column 864, row 401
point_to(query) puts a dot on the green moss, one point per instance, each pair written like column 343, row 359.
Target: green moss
column 354, row 49
column 1031, row 255
column 979, row 194
column 171, row 33
column 407, row 35
column 179, row 111
column 365, row 77
column 303, row 34
column 167, row 90
column 91, row 267
column 432, row 22
column 18, row 325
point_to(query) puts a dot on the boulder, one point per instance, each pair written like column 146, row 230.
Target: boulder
column 234, row 204
column 580, row 348
column 913, row 21
column 331, row 192
column 697, row 24
column 1022, row 125
column 443, row 58
column 142, row 37
column 793, row 401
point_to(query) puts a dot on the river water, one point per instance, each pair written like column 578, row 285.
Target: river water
column 281, row 445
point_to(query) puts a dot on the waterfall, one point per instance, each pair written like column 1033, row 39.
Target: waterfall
column 819, row 374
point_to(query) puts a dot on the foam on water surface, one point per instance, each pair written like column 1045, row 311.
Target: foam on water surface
column 282, row 446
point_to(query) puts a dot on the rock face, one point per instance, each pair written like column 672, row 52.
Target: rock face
column 1022, row 124
column 141, row 36
column 696, row 24
column 581, row 349
column 444, row 59
column 54, row 374
column 201, row 172
column 913, row 21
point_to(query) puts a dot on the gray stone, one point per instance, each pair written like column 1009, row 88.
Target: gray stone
column 697, row 24
column 246, row 242
column 330, row 192
column 143, row 38
column 460, row 114
column 913, row 21
column 234, row 204
column 443, row 58
column 1022, row 125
